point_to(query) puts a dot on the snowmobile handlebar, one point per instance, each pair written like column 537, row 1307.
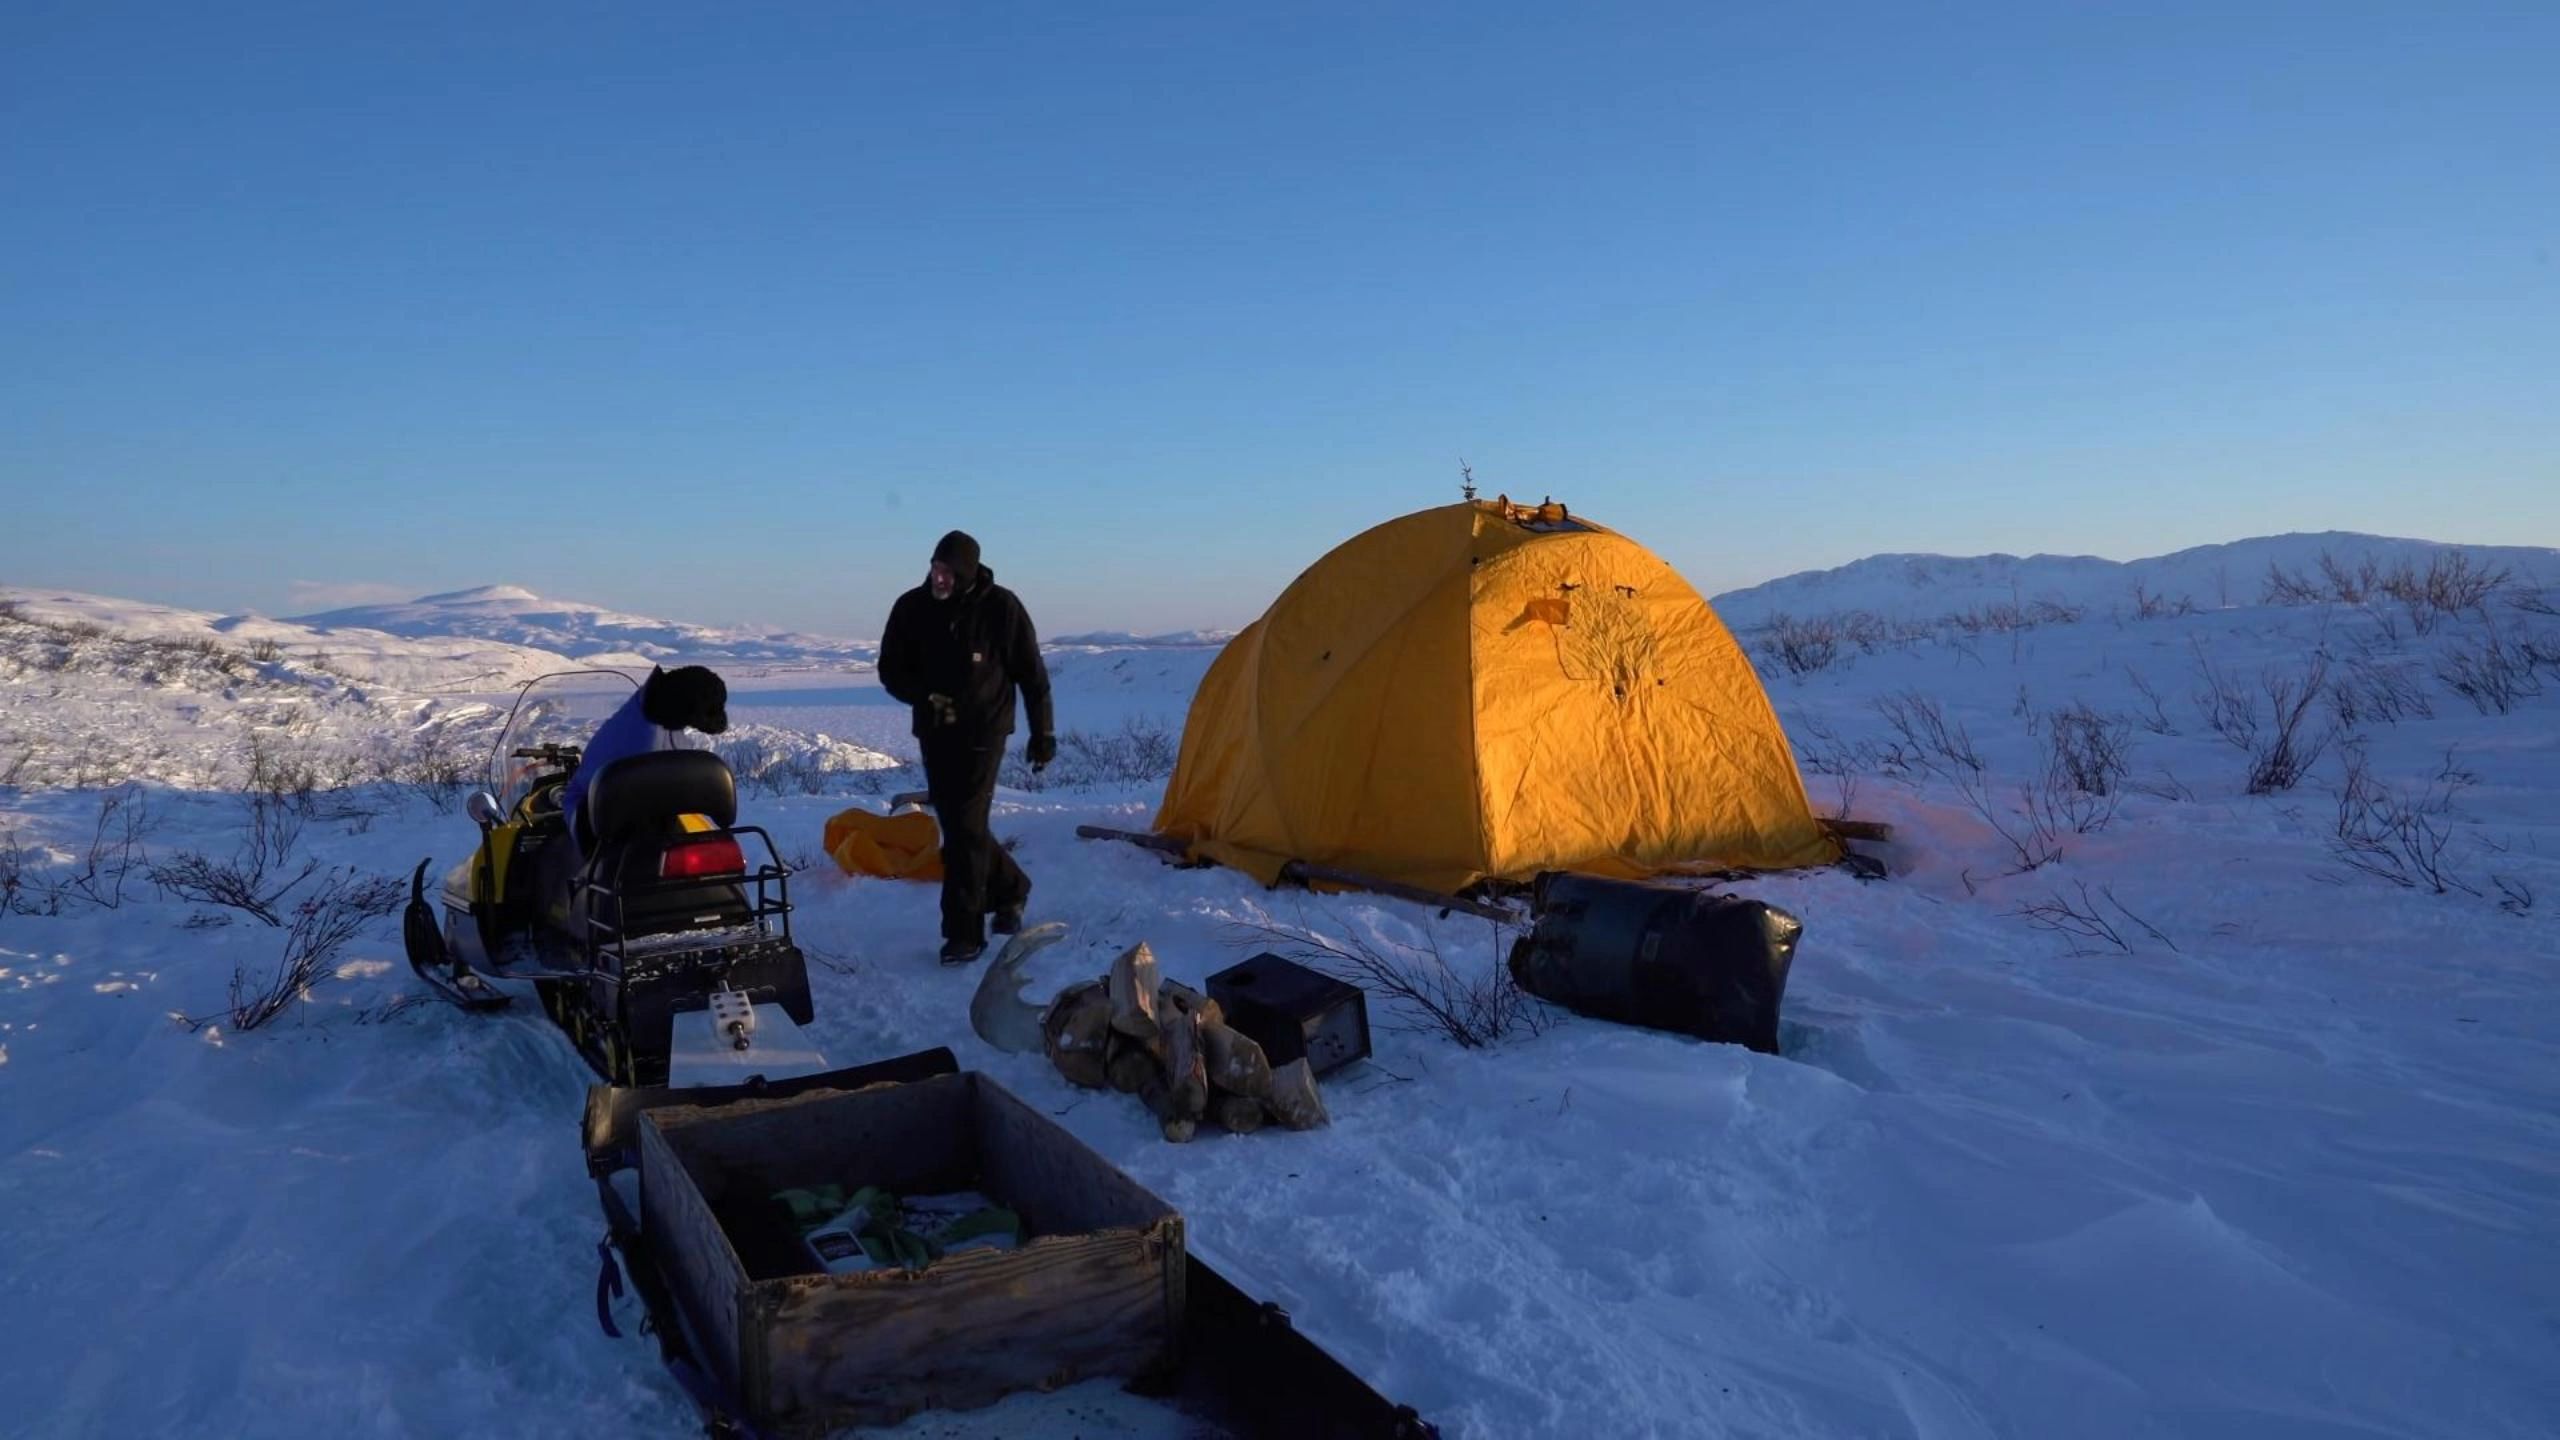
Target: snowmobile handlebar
column 562, row 755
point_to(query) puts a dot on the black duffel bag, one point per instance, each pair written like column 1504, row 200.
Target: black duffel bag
column 1663, row 956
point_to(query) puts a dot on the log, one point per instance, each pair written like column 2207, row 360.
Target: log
column 1078, row 1029
column 1133, row 992
column 1311, row 876
column 1294, row 1101
column 1209, row 1011
column 1184, row 1074
column 1132, row 1068
column 1856, row 829
column 1176, row 1126
column 1239, row 1114
column 1236, row 1062
column 1301, row 872
column 1163, row 844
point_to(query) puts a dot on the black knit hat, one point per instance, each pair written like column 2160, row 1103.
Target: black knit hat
column 960, row 552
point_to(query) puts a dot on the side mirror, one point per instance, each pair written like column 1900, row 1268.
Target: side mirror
column 483, row 808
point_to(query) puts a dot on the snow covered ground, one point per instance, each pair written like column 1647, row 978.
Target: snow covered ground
column 2280, row 1159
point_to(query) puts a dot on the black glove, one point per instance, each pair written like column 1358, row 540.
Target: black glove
column 946, row 711
column 1041, row 750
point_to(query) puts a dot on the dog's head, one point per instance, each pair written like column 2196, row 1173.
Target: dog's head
column 688, row 698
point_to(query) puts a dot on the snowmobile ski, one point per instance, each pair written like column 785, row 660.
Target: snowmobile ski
column 425, row 944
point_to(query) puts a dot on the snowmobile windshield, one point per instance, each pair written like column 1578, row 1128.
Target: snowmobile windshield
column 559, row 709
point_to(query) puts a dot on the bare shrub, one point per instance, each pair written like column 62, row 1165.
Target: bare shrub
column 2087, row 757
column 2377, row 691
column 2147, row 606
column 2280, row 743
column 2452, row 584
column 2350, row 585
column 2383, row 619
column 22, row 891
column 1927, row 743
column 1142, row 750
column 278, row 770
column 115, row 850
column 1840, row 759
column 2514, row 896
column 2007, row 617
column 2401, row 838
column 2490, row 673
column 1873, row 633
column 2156, row 720
column 2167, row 787
column 2084, row 923
column 97, row 873
column 2290, row 587
column 1802, row 647
column 323, row 923
column 260, row 872
column 1470, row 1004
column 2291, row 748
column 2228, row 709
column 438, row 766
column 265, row 652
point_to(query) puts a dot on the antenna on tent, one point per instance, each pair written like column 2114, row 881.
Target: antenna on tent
column 1466, row 478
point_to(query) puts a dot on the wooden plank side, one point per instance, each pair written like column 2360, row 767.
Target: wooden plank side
column 689, row 1248
column 1057, row 1183
column 906, row 1137
column 874, row 1349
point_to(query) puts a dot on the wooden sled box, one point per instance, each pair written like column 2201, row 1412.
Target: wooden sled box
column 1097, row 1289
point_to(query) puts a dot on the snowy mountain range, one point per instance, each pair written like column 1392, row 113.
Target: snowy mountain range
column 2213, row 576
column 514, row 615
column 494, row 636
column 1128, row 640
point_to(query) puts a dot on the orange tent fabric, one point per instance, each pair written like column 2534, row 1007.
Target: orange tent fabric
column 1488, row 690
column 903, row 846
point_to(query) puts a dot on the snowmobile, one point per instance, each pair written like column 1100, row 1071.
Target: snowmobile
column 633, row 916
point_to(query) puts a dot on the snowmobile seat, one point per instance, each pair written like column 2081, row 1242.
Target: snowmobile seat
column 634, row 809
column 646, row 791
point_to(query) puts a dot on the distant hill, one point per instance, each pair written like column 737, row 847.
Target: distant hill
column 514, row 615
column 2235, row 573
column 1125, row 640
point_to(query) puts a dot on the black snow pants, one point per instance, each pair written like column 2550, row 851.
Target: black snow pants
column 978, row 875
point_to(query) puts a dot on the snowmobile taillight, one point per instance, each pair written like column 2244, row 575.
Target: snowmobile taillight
column 694, row 859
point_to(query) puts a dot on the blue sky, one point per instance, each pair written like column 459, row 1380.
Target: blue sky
column 726, row 312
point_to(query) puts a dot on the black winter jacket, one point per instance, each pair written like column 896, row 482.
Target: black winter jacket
column 977, row 648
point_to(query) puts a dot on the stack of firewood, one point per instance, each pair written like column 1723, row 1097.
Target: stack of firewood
column 1170, row 1046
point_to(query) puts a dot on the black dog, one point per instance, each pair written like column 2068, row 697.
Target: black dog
column 688, row 698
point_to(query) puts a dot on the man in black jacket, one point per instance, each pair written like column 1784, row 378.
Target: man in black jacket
column 955, row 651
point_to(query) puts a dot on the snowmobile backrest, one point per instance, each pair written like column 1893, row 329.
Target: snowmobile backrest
column 640, row 791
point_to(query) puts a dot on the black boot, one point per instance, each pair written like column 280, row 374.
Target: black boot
column 961, row 952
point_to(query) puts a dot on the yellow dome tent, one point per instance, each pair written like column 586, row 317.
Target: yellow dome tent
column 1488, row 689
